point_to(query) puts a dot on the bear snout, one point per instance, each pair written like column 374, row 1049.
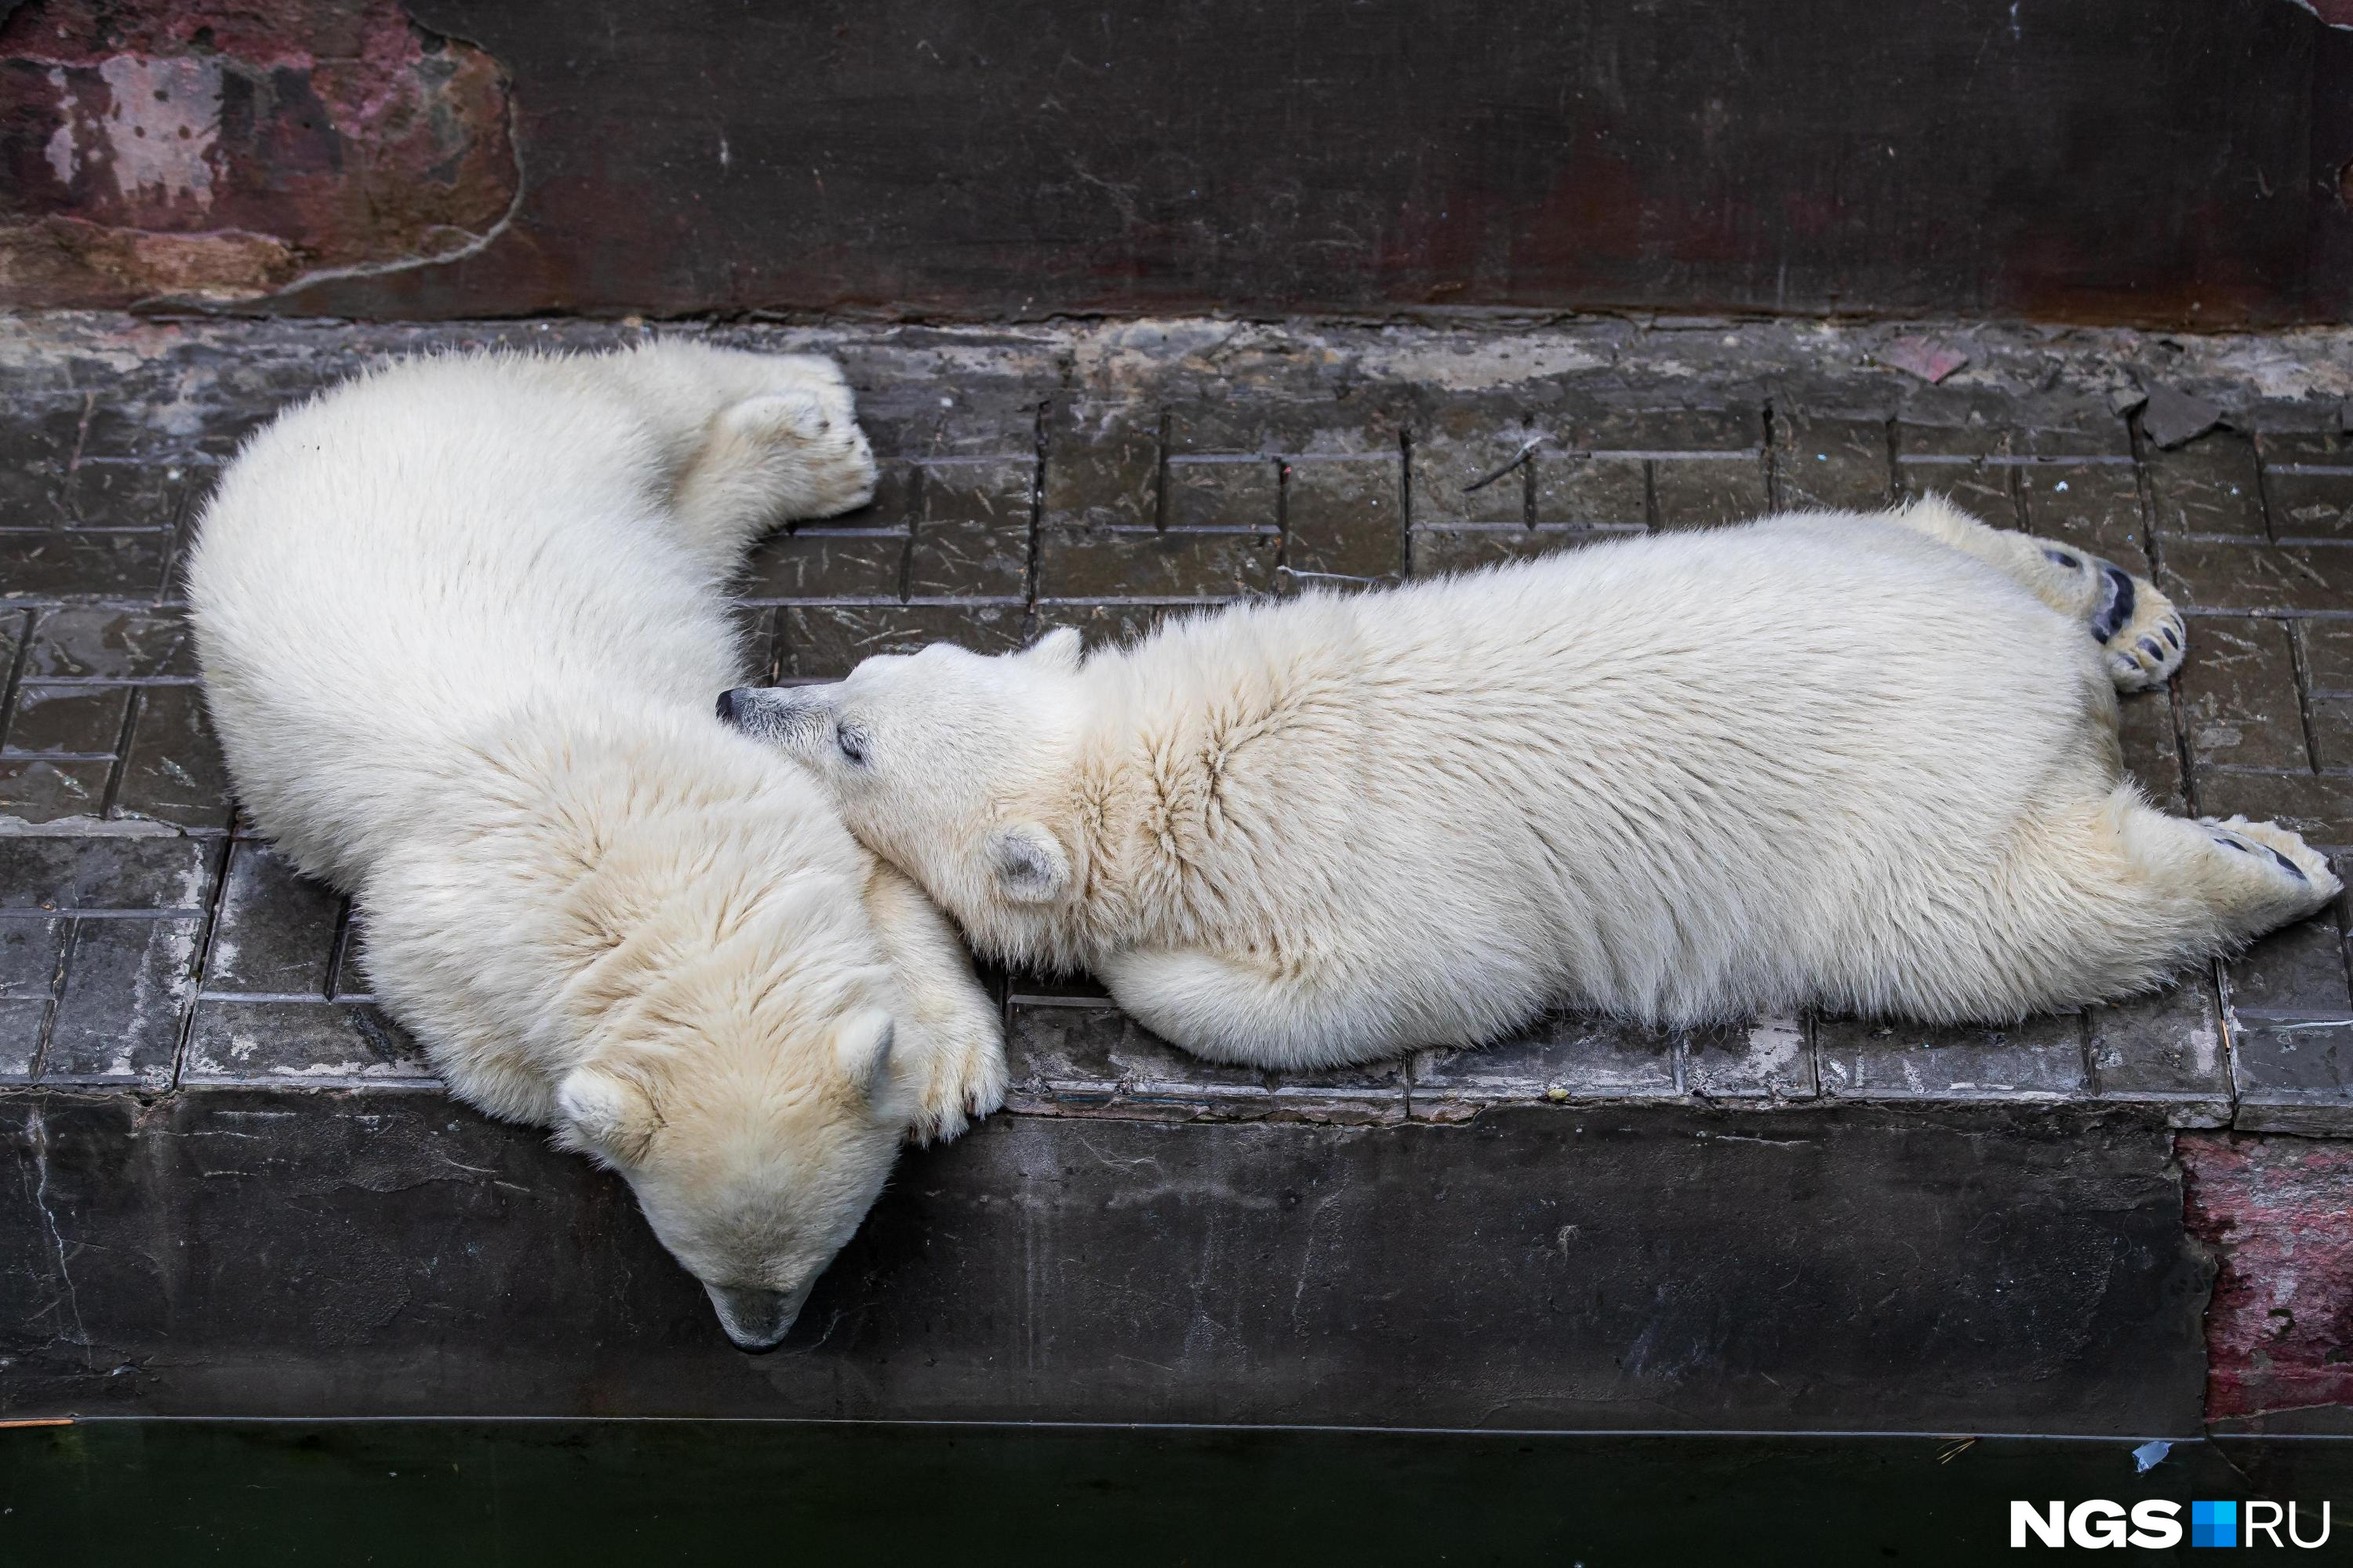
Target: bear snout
column 787, row 716
column 756, row 1319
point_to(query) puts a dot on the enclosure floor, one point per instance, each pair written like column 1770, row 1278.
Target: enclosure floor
column 1103, row 476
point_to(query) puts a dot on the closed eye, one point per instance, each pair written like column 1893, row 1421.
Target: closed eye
column 852, row 742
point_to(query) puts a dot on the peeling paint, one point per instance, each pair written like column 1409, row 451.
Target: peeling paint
column 2278, row 1213
column 218, row 152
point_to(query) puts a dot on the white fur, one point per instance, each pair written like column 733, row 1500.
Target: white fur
column 1853, row 762
column 460, row 626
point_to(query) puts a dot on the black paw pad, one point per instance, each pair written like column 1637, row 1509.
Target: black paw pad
column 2289, row 866
column 2118, row 607
column 2072, row 563
column 2232, row 844
column 2148, row 646
column 2172, row 638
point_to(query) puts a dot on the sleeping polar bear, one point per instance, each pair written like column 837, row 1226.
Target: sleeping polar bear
column 460, row 623
column 1862, row 763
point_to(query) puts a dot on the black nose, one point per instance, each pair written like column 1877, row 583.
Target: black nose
column 727, row 706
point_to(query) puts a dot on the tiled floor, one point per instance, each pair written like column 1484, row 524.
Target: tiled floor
column 1103, row 476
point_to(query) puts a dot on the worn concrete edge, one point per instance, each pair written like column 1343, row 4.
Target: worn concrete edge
column 2299, row 378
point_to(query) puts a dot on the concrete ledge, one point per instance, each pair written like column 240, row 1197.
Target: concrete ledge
column 218, row 1250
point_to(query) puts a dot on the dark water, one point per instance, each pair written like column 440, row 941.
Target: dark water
column 451, row 1493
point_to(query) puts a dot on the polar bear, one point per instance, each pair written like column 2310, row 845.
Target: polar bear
column 1859, row 762
column 459, row 623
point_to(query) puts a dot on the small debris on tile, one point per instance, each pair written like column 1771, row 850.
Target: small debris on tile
column 2172, row 418
column 1930, row 359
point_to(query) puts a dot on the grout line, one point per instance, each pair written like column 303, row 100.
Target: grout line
column 1405, row 500
column 1160, row 499
column 114, row 775
column 338, row 949
column 1282, row 522
column 66, row 944
column 918, row 495
column 2262, row 493
column 1773, row 501
column 2298, row 662
column 1037, row 520
column 2145, row 493
column 203, row 957
column 16, row 679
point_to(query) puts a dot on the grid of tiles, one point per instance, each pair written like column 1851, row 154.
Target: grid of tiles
column 147, row 941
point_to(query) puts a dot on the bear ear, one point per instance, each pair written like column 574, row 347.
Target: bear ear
column 862, row 1047
column 1027, row 865
column 607, row 1115
column 1060, row 650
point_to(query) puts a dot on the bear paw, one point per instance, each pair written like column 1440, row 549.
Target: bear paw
column 805, row 440
column 2143, row 632
column 2283, row 853
column 961, row 1078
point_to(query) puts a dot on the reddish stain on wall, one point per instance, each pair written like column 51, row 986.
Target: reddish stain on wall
column 2278, row 1213
column 151, row 148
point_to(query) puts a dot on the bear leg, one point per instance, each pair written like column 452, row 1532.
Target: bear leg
column 1249, row 1015
column 2220, row 883
column 747, row 440
column 951, row 1040
column 2143, row 633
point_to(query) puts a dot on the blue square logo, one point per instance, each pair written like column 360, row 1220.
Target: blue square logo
column 2213, row 1524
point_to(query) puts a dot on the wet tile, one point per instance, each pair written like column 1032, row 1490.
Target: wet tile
column 1079, row 1058
column 1695, row 493
column 1831, row 464
column 275, row 930
column 821, row 561
column 823, row 641
column 2238, row 695
column 973, row 541
column 1144, row 563
column 1580, row 490
column 128, row 984
column 2040, row 1059
column 85, row 720
column 2320, row 808
column 2208, row 487
column 1102, row 465
column 174, row 771
column 1343, row 519
column 1224, row 492
column 2166, row 1049
column 1766, row 1059
column 1437, row 551
column 123, row 644
column 2307, row 501
column 2256, row 579
column 106, row 873
column 2295, row 972
column 42, row 791
column 1561, row 1060
column 2094, row 506
column 75, row 564
column 310, row 1043
column 2295, row 1075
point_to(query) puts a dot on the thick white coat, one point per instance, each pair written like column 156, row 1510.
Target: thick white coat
column 460, row 624
column 1863, row 763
